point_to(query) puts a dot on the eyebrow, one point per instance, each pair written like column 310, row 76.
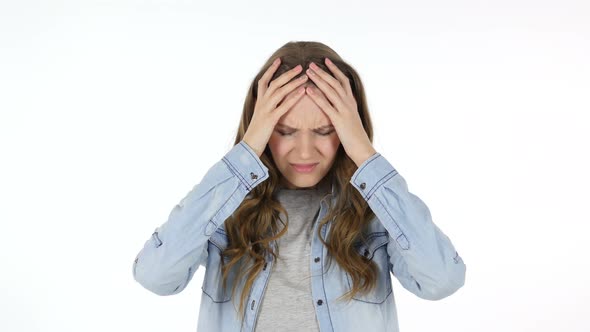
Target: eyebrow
column 319, row 128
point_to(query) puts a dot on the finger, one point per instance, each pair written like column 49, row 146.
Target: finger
column 323, row 103
column 263, row 81
column 329, row 79
column 343, row 79
column 284, row 78
column 288, row 88
column 289, row 102
column 334, row 97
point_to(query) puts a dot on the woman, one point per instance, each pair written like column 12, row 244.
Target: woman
column 349, row 204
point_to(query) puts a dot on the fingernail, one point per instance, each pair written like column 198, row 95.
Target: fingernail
column 328, row 61
column 276, row 61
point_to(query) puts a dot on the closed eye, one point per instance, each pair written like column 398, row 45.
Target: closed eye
column 289, row 134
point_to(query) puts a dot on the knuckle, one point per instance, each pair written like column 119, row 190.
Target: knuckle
column 275, row 99
column 273, row 117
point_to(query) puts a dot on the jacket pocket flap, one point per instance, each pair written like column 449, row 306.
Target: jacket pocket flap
column 219, row 239
column 373, row 242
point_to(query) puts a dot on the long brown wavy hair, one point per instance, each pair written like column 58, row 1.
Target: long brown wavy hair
column 256, row 222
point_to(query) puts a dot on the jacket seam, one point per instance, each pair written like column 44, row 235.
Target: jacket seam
column 236, row 172
column 370, row 160
column 256, row 158
column 324, row 290
column 214, row 218
column 399, row 230
column 212, row 299
column 380, row 183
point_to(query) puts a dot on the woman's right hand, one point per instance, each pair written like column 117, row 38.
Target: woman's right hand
column 266, row 113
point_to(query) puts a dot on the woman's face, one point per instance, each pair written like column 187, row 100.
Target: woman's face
column 309, row 138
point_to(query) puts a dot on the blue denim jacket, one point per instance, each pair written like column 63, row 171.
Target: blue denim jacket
column 401, row 239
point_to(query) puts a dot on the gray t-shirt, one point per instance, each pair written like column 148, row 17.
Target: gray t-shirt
column 287, row 304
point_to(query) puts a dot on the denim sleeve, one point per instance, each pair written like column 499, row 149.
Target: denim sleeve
column 174, row 251
column 421, row 256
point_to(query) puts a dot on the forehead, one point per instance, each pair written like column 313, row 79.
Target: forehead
column 305, row 114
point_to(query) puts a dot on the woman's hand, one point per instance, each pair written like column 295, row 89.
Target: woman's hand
column 266, row 113
column 341, row 107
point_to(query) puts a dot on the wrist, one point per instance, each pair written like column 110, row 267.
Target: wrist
column 361, row 157
column 246, row 141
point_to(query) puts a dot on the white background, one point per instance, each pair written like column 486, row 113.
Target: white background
column 112, row 110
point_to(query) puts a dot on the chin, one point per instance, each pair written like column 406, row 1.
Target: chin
column 304, row 181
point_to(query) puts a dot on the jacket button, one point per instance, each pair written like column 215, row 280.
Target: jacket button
column 253, row 176
column 252, row 306
column 366, row 253
column 264, row 268
column 317, row 259
column 320, row 302
column 363, row 185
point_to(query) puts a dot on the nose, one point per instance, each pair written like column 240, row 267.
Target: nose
column 305, row 146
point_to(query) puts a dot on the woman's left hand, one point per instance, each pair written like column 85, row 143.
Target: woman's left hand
column 341, row 107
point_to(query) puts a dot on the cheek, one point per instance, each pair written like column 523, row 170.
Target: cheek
column 277, row 145
column 334, row 142
column 329, row 147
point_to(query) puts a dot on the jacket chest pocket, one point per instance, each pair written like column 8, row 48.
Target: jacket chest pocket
column 212, row 283
column 375, row 249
